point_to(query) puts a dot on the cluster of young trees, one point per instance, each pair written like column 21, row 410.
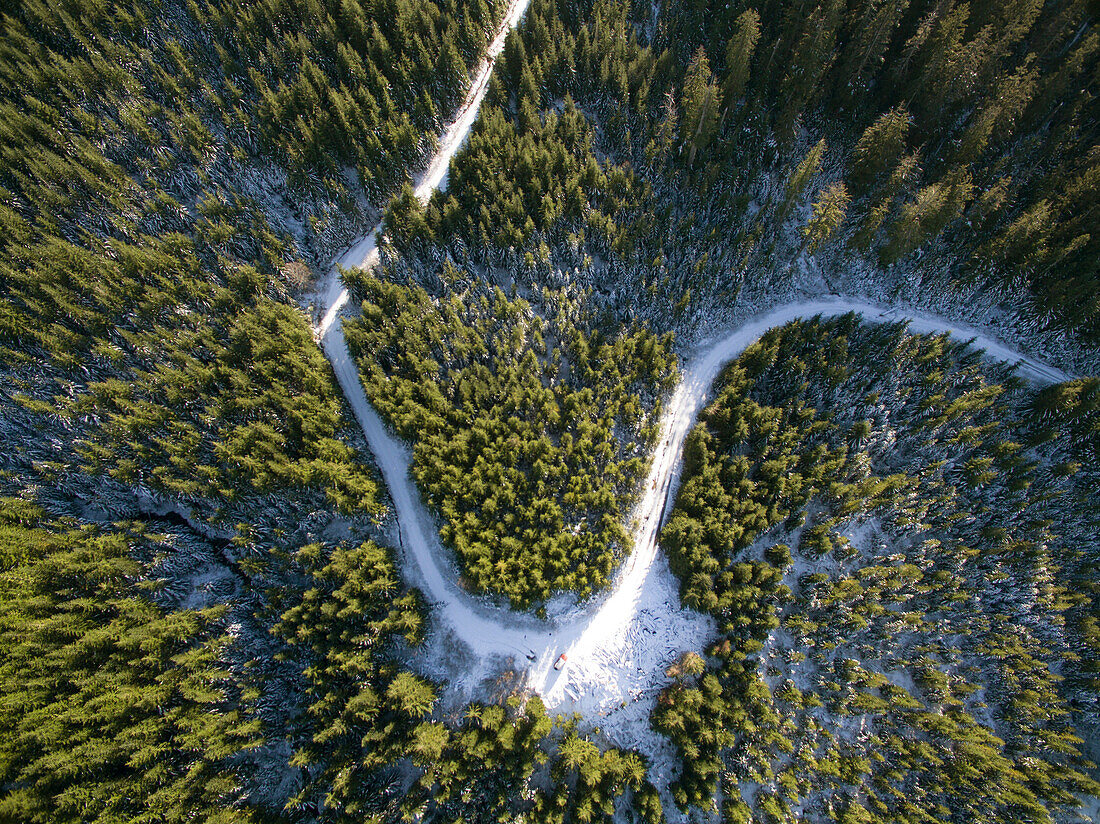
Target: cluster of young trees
column 530, row 434
column 151, row 238
column 1064, row 418
column 904, row 659
column 512, row 760
column 376, row 743
column 235, row 405
column 555, row 187
column 366, row 713
column 120, row 704
column 350, row 82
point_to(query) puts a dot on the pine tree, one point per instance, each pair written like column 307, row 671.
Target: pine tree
column 947, row 66
column 923, row 218
column 1000, row 115
column 430, row 740
column 802, row 174
column 404, row 220
column 878, row 149
column 739, row 54
column 699, row 102
column 1024, row 242
column 871, row 26
column 812, row 57
column 828, row 214
column 658, row 149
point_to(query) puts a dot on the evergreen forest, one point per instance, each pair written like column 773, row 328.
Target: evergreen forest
column 214, row 606
column 894, row 604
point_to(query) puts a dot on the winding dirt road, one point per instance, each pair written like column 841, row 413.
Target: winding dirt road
column 603, row 669
column 619, row 645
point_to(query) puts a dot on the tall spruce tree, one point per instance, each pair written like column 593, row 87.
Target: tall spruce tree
column 699, row 103
column 739, row 53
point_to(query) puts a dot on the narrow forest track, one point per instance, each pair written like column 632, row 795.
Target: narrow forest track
column 332, row 296
column 619, row 644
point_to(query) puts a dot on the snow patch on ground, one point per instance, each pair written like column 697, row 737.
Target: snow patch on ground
column 616, row 663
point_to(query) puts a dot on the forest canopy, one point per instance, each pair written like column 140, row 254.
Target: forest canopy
column 203, row 616
column 530, row 435
column 870, row 518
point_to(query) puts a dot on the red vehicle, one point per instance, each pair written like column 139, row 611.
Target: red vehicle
column 560, row 662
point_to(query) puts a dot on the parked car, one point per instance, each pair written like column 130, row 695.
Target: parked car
column 560, row 662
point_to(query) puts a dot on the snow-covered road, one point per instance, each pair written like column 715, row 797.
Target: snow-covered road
column 363, row 254
column 618, row 645
column 618, row 649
